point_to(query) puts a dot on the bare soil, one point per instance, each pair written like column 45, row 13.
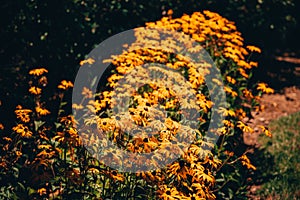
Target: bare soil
column 275, row 106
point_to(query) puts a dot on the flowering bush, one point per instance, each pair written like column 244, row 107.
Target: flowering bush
column 43, row 156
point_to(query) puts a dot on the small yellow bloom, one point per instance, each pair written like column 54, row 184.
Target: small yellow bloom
column 18, row 153
column 7, row 139
column 244, row 127
column 170, row 12
column 77, row 106
column 89, row 61
column 35, row 90
column 42, row 191
column 42, row 111
column 65, row 85
column 246, row 162
column 253, row 64
column 23, row 114
column 230, row 91
column 87, row 93
column 22, row 130
column 264, row 87
column 44, row 146
column 266, row 131
column 230, row 79
column 38, row 72
column 253, row 48
column 226, row 112
column 94, row 170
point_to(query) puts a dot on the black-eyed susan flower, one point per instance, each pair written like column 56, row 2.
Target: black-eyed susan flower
column 87, row 93
column 42, row 111
column 38, row 72
column 266, row 131
column 23, row 114
column 23, row 130
column 244, row 127
column 65, row 85
column 35, row 90
column 77, row 106
column 264, row 87
column 19, row 153
column 42, row 191
column 245, row 161
column 253, row 48
column 87, row 61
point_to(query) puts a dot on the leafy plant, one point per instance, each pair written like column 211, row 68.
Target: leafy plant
column 43, row 156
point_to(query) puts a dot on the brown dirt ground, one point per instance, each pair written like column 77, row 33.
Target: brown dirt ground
column 275, row 106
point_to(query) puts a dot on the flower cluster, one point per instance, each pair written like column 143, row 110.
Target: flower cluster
column 156, row 99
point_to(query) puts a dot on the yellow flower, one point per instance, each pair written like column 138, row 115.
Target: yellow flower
column 87, row 93
column 7, row 139
column 253, row 48
column 167, row 193
column 18, row 153
column 117, row 176
column 253, row 64
column 226, row 112
column 248, row 94
column 42, row 111
column 77, row 106
column 244, row 127
column 65, row 85
column 38, row 72
column 1, row 126
column 266, row 131
column 44, row 146
column 35, row 90
column 230, row 91
column 170, row 12
column 89, row 61
column 94, row 170
column 245, row 161
column 263, row 87
column 42, row 191
column 23, row 114
column 22, row 130
column 230, row 79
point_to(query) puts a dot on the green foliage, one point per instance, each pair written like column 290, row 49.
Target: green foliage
column 281, row 179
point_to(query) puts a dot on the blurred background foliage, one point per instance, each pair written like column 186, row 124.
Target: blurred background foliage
column 57, row 34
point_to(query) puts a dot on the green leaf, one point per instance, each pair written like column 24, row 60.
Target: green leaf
column 38, row 124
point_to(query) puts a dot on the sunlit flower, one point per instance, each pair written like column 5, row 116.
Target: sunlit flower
column 65, row 85
column 23, row 114
column 245, row 161
column 35, row 90
column 266, row 131
column 253, row 48
column 244, row 127
column 77, row 106
column 42, row 111
column 263, row 87
column 18, row 153
column 38, row 72
column 87, row 93
column 42, row 191
column 230, row 91
column 89, row 61
column 22, row 130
